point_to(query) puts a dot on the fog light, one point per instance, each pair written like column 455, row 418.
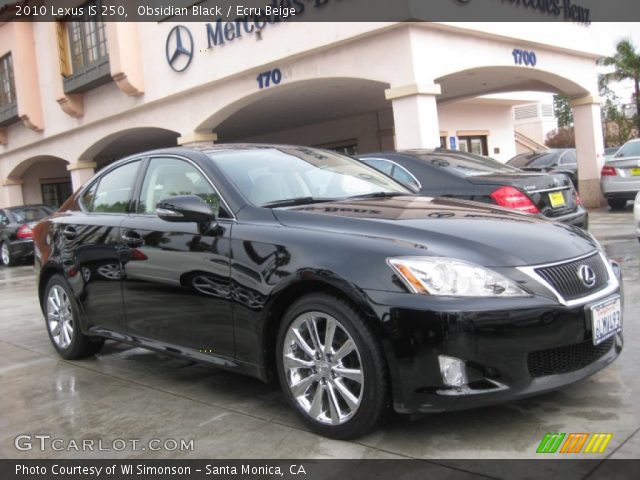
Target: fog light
column 453, row 371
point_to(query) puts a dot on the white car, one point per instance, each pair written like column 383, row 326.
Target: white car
column 620, row 176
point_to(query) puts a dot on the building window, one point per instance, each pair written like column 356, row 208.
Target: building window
column 8, row 104
column 84, row 53
column 474, row 144
column 54, row 194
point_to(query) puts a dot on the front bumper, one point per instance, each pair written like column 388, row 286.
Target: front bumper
column 512, row 348
column 21, row 248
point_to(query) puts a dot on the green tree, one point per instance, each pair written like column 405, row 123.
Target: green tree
column 562, row 111
column 616, row 126
column 626, row 63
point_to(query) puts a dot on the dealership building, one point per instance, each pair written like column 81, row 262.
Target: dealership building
column 77, row 95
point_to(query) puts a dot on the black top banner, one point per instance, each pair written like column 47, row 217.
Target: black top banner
column 271, row 11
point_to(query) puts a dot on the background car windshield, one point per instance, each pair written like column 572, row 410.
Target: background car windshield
column 631, row 149
column 29, row 214
column 274, row 175
column 467, row 165
column 534, row 160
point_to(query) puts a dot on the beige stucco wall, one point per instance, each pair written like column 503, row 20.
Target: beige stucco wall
column 221, row 81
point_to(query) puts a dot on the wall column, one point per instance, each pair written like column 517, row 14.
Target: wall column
column 415, row 115
column 197, row 139
column 12, row 190
column 80, row 173
column 589, row 148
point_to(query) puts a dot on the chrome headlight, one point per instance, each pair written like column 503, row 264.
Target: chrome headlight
column 452, row 277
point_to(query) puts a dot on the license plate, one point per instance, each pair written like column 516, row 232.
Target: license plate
column 557, row 199
column 606, row 320
column 635, row 172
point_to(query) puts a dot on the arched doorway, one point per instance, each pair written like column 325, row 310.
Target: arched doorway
column 42, row 179
column 345, row 114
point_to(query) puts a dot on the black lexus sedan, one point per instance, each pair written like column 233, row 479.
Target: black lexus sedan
column 311, row 267
column 16, row 237
column 451, row 173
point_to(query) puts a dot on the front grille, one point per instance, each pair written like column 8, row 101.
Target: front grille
column 565, row 278
column 566, row 359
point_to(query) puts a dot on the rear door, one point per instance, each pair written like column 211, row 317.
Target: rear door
column 176, row 280
column 89, row 244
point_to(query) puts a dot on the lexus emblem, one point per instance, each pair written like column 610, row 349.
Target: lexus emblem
column 179, row 48
column 587, row 276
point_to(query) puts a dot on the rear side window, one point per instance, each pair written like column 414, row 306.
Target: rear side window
column 379, row 164
column 112, row 192
column 403, row 176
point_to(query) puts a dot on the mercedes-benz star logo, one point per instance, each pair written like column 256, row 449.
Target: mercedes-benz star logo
column 179, row 48
column 587, row 276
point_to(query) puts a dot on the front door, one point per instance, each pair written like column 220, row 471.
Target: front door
column 176, row 281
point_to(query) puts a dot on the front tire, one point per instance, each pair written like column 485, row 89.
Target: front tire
column 5, row 255
column 63, row 322
column 331, row 367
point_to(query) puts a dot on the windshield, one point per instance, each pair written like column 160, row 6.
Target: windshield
column 29, row 214
column 467, row 164
column 534, row 160
column 630, row 149
column 274, row 176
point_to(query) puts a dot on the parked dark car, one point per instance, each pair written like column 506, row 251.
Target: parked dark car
column 311, row 267
column 554, row 160
column 451, row 173
column 16, row 236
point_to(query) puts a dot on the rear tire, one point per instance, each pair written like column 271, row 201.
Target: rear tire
column 617, row 203
column 338, row 386
column 5, row 255
column 63, row 322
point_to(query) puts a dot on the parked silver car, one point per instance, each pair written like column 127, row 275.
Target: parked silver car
column 620, row 176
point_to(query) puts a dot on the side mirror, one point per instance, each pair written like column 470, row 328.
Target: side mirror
column 186, row 209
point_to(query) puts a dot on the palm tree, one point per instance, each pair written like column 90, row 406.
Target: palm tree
column 627, row 66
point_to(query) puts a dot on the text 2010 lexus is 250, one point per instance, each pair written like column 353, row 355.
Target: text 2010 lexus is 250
column 310, row 267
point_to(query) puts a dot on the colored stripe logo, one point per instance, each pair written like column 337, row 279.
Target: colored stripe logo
column 574, row 443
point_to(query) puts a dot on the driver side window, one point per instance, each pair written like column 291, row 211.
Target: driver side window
column 168, row 177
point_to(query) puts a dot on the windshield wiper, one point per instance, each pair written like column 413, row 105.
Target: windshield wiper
column 291, row 202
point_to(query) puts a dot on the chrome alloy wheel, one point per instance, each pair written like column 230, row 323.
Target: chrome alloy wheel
column 323, row 368
column 60, row 316
column 6, row 256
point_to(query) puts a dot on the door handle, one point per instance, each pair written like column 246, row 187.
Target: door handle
column 132, row 239
column 69, row 233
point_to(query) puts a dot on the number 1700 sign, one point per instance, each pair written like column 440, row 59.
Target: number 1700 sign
column 524, row 57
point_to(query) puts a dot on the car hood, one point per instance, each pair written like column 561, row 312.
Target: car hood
column 479, row 233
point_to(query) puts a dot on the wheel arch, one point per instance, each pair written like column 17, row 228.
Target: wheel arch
column 46, row 273
column 285, row 297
